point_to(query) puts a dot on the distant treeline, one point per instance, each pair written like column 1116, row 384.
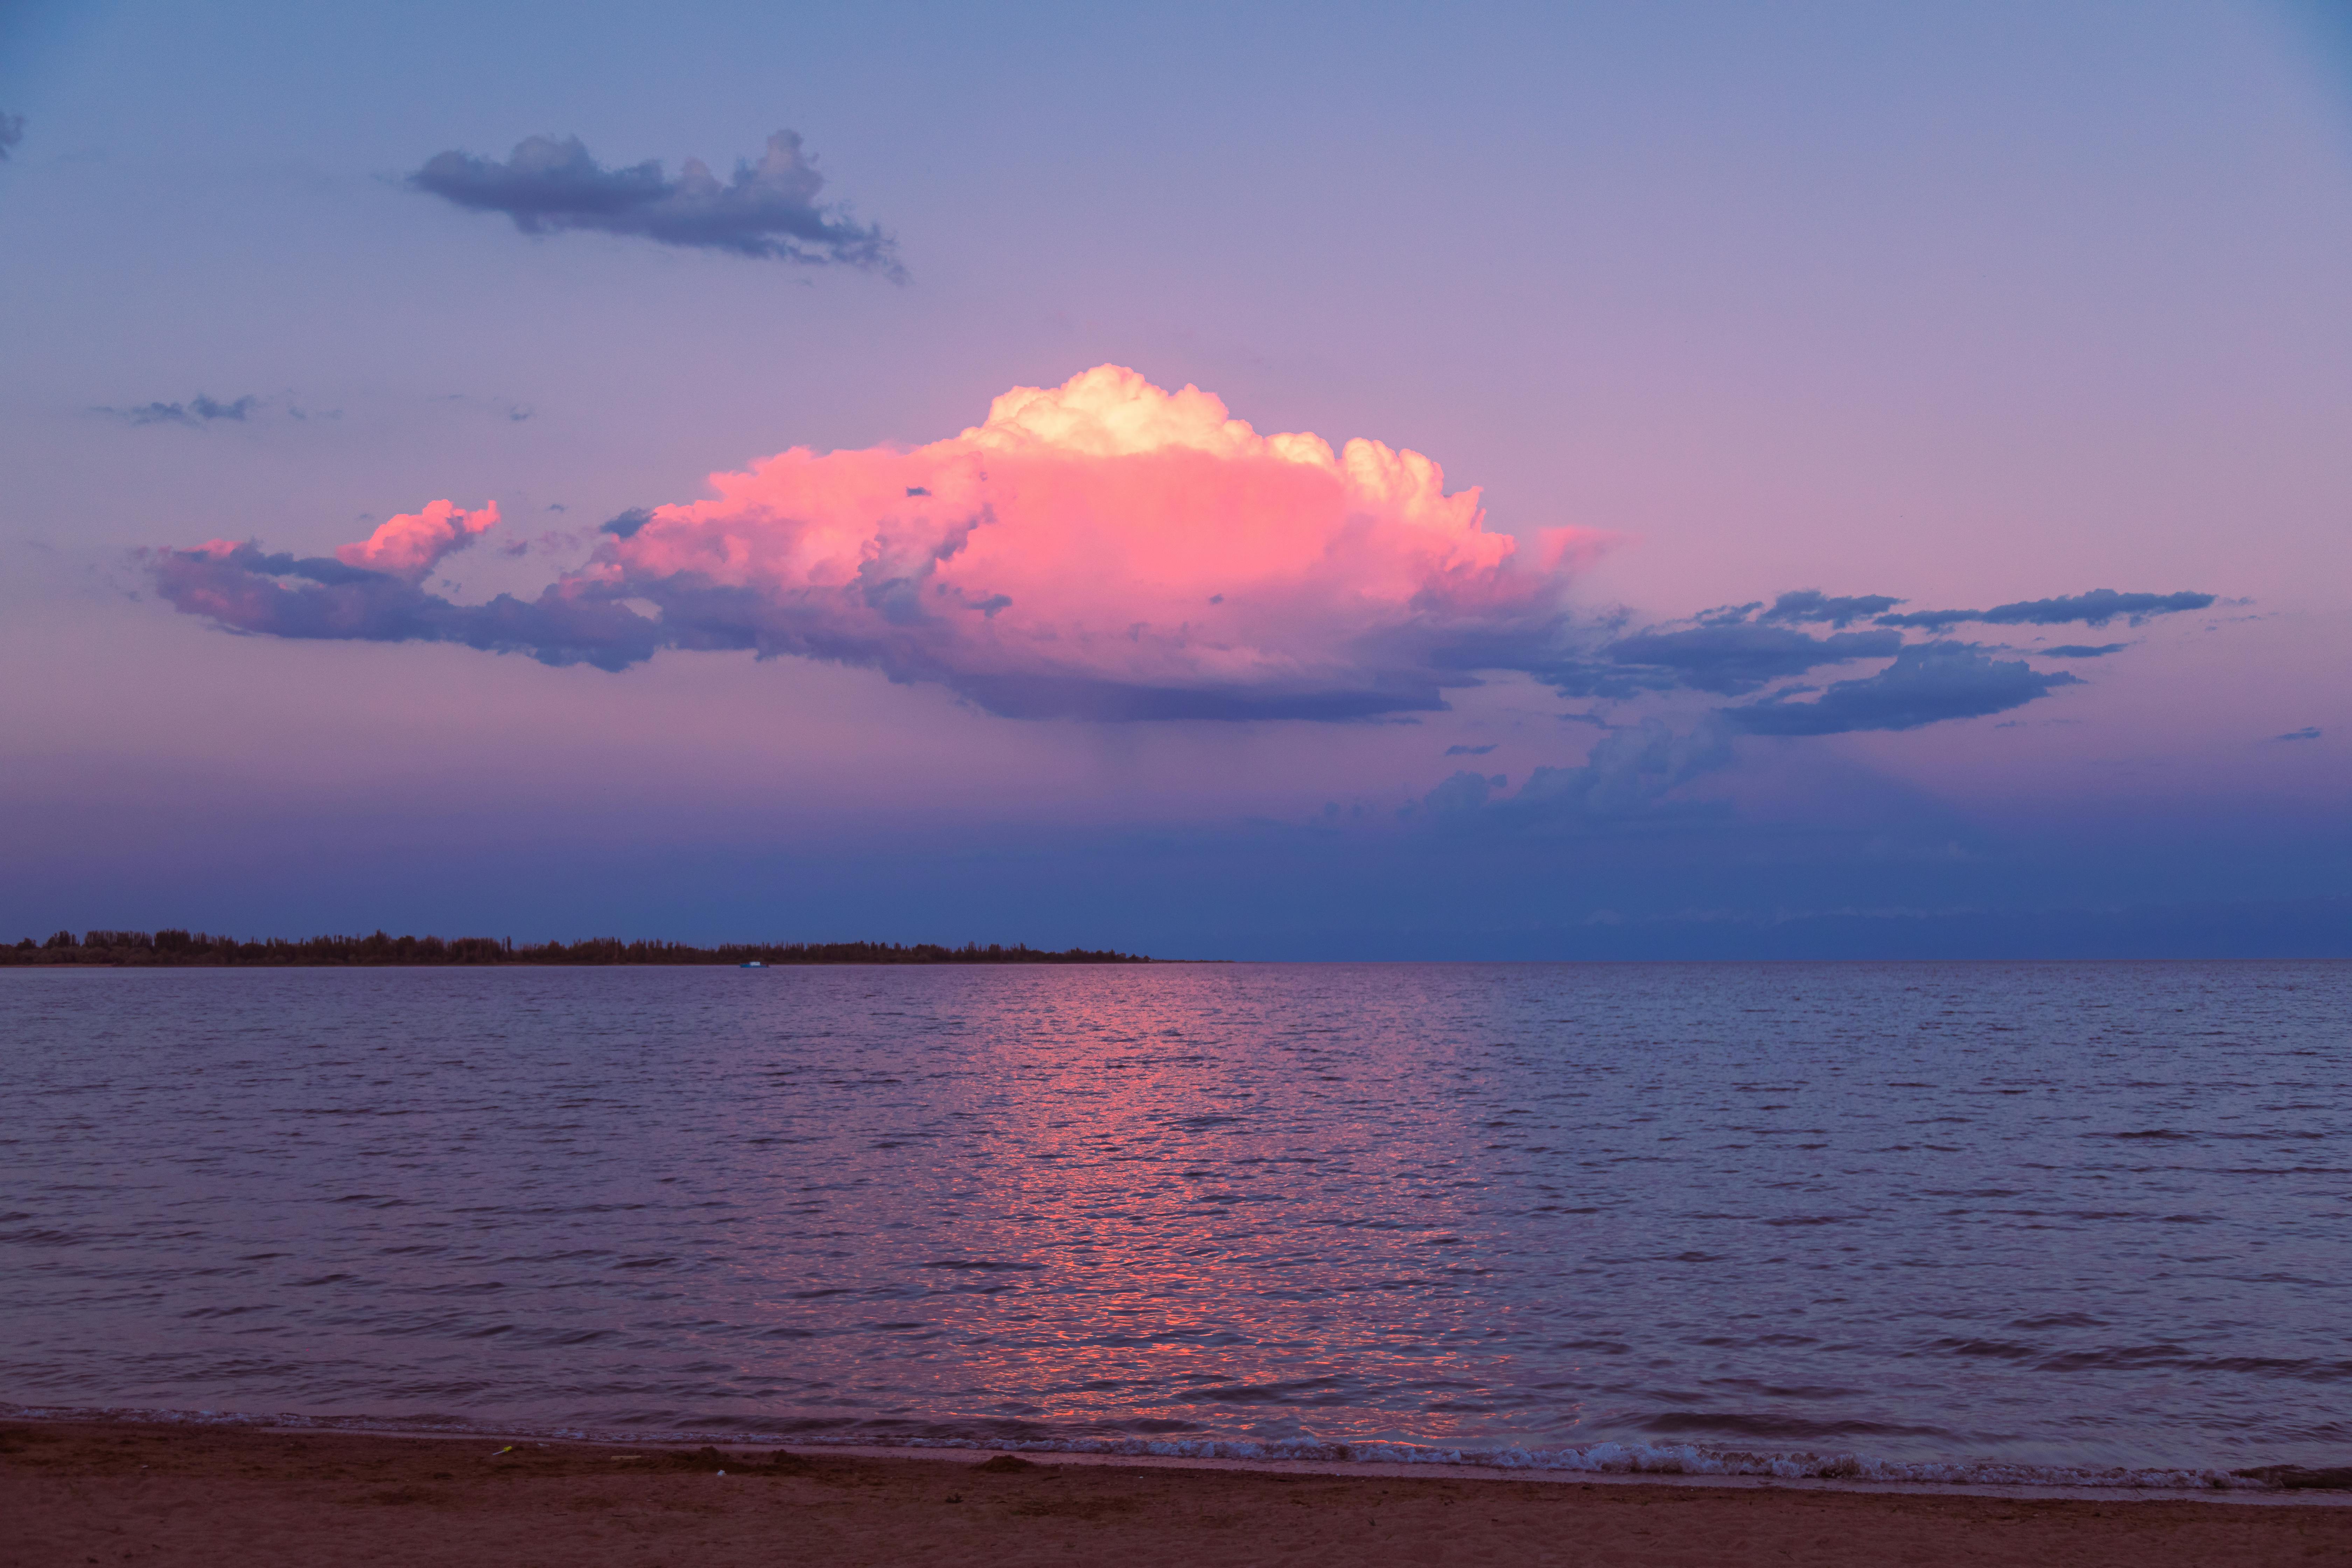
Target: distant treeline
column 196, row 949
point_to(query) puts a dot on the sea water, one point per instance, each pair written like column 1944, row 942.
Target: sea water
column 2053, row 1221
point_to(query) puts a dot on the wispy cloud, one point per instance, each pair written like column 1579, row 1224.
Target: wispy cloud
column 769, row 211
column 197, row 411
column 1812, row 604
column 507, row 408
column 2308, row 733
column 12, row 131
column 1470, row 751
column 2095, row 608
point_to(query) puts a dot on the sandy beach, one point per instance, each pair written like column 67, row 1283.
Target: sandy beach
column 112, row 1493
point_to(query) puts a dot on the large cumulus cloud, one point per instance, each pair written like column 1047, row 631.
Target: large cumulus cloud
column 1103, row 549
column 1108, row 550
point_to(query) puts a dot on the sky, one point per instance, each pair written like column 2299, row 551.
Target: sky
column 1680, row 480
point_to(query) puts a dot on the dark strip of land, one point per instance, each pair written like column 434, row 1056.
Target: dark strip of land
column 181, row 949
column 197, row 1496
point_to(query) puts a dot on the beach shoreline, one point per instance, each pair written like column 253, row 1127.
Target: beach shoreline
column 196, row 1492
column 2247, row 1491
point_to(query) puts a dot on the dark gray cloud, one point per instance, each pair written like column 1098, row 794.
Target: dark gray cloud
column 1469, row 751
column 2095, row 608
column 769, row 211
column 318, row 598
column 1734, row 650
column 196, row 411
column 1927, row 683
column 1812, row 604
column 1731, row 659
column 1719, row 651
column 12, row 130
column 2308, row 733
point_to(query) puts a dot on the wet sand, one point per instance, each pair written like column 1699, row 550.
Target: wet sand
column 114, row 1493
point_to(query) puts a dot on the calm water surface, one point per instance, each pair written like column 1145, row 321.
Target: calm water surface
column 2051, row 1216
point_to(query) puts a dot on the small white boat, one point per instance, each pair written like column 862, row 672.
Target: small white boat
column 755, row 964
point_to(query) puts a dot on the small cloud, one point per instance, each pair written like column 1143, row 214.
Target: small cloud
column 769, row 211
column 2084, row 650
column 2308, row 733
column 506, row 408
column 196, row 412
column 12, row 130
column 1470, row 751
column 557, row 506
column 626, row 525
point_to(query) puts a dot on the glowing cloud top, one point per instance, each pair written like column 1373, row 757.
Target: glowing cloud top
column 411, row 544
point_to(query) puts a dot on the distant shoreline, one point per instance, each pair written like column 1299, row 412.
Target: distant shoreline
column 197, row 950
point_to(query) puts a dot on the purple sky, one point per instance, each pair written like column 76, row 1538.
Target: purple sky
column 1965, row 309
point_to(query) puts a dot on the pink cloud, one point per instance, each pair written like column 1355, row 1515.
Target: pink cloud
column 413, row 543
column 1104, row 547
column 1103, row 534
